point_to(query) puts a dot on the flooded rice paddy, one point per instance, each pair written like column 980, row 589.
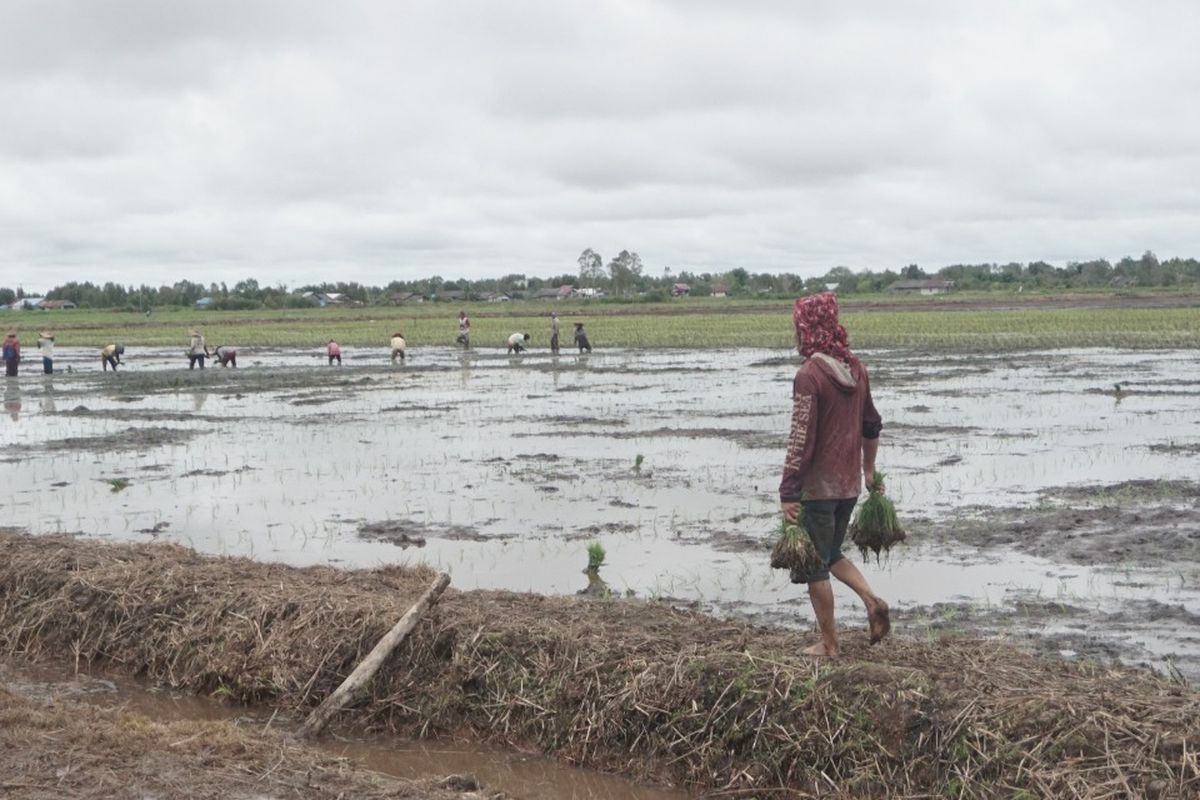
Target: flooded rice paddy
column 1050, row 497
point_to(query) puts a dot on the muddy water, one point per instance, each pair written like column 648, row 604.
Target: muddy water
column 501, row 470
column 522, row 775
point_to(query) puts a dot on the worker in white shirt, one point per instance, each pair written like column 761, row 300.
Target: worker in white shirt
column 516, row 342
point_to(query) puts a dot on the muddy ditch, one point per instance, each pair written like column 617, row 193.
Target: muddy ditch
column 55, row 745
column 625, row 686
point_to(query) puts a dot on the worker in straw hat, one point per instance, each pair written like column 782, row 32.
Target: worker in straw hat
column 45, row 344
column 197, row 350
column 110, row 356
column 832, row 445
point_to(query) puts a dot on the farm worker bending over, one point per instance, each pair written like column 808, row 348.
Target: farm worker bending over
column 554, row 332
column 581, row 338
column 832, row 445
column 398, row 347
column 46, row 345
column 516, row 342
column 110, row 356
column 334, row 352
column 197, row 350
column 12, row 354
column 464, row 330
column 225, row 355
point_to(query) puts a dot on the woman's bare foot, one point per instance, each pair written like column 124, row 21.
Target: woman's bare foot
column 880, row 622
column 819, row 649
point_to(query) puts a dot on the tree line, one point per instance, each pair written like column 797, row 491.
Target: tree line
column 624, row 277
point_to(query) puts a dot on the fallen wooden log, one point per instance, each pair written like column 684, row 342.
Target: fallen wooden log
column 367, row 668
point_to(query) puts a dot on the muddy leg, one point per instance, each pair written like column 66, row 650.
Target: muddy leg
column 820, row 594
column 877, row 610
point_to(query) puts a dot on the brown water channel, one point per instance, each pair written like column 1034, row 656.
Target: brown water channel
column 524, row 776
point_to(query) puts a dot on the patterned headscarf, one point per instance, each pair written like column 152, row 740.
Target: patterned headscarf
column 816, row 318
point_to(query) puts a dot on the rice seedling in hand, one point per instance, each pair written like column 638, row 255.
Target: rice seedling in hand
column 794, row 550
column 875, row 526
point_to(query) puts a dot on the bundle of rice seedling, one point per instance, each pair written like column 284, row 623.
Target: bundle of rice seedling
column 875, row 526
column 794, row 550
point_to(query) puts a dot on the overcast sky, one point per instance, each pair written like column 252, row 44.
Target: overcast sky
column 297, row 141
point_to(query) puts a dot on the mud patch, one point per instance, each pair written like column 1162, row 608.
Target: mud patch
column 132, row 439
column 566, row 419
column 756, row 440
column 592, row 531
column 319, row 400
column 1070, row 629
column 144, row 415
column 410, row 533
column 1178, row 449
column 1116, row 525
column 418, row 407
column 216, row 473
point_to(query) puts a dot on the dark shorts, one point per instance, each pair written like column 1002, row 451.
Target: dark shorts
column 826, row 522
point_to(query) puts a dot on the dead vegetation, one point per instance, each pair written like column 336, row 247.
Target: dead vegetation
column 629, row 687
column 68, row 749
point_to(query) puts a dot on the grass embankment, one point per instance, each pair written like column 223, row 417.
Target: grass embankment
column 631, row 687
column 966, row 322
column 55, row 750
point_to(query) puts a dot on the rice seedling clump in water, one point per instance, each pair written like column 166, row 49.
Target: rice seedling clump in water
column 794, row 550
column 875, row 526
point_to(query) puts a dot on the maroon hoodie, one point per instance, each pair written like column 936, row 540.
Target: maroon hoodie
column 832, row 412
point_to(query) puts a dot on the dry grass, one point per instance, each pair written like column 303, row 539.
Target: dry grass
column 624, row 686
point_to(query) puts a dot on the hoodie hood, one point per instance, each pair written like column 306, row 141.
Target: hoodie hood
column 838, row 371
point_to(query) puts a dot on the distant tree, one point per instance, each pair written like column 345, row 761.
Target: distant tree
column 624, row 271
column 248, row 289
column 511, row 283
column 844, row 277
column 7, row 296
column 591, row 268
column 913, row 273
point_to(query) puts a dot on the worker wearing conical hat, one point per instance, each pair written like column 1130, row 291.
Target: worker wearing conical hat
column 45, row 344
column 197, row 350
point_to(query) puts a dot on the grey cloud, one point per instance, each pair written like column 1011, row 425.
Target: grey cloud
column 300, row 140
